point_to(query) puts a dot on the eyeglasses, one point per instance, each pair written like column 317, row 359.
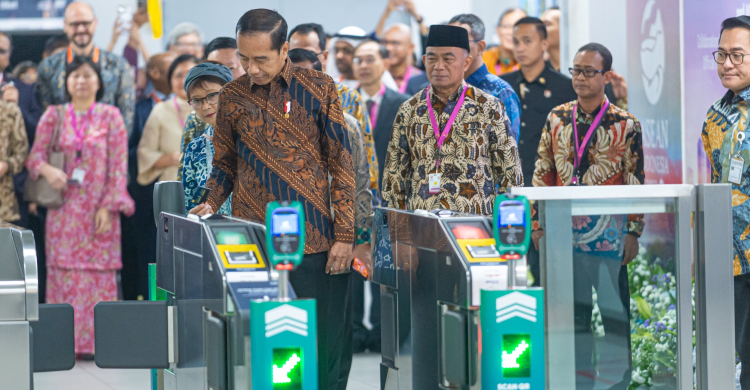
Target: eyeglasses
column 721, row 57
column 75, row 25
column 192, row 45
column 586, row 72
column 364, row 60
column 211, row 98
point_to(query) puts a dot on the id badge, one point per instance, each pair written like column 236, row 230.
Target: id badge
column 735, row 170
column 435, row 183
column 78, row 176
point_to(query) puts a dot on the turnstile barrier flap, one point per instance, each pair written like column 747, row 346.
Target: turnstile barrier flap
column 53, row 338
column 131, row 334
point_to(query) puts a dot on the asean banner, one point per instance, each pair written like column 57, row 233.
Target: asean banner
column 654, row 85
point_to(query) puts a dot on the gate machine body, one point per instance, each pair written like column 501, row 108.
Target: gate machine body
column 432, row 267
column 208, row 270
column 33, row 337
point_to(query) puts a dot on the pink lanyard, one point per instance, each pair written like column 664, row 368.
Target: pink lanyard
column 447, row 129
column 407, row 76
column 374, row 109
column 582, row 148
column 79, row 131
column 177, row 108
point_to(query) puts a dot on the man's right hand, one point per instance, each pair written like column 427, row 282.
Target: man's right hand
column 537, row 235
column 202, row 209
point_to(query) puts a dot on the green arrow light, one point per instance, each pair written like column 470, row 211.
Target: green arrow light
column 287, row 369
column 516, row 357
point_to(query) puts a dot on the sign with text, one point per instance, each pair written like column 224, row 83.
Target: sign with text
column 701, row 30
column 513, row 339
column 284, row 345
column 654, row 85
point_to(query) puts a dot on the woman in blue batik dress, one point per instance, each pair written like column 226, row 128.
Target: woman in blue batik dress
column 202, row 85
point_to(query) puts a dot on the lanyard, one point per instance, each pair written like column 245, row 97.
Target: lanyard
column 374, row 109
column 94, row 57
column 79, row 131
column 177, row 108
column 407, row 76
column 581, row 148
column 155, row 97
column 447, row 129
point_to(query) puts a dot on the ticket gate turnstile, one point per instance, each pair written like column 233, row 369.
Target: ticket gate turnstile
column 33, row 337
column 432, row 267
column 209, row 269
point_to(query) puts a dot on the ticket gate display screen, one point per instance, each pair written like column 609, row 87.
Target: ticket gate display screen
column 230, row 235
column 512, row 222
column 285, row 224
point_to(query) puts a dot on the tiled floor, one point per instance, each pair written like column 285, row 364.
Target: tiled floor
column 86, row 375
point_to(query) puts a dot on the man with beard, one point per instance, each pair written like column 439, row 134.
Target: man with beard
column 80, row 24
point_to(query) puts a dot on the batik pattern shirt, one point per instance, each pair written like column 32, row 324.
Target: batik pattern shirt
column 199, row 158
column 14, row 147
column 194, row 127
column 352, row 104
column 477, row 160
column 500, row 89
column 614, row 157
column 362, row 194
column 117, row 76
column 262, row 155
column 725, row 119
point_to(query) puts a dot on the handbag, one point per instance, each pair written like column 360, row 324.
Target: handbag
column 40, row 191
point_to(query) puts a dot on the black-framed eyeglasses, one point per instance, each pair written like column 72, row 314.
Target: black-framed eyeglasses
column 211, row 98
column 75, row 25
column 586, row 72
column 721, row 57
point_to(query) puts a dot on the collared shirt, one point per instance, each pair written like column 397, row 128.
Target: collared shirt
column 352, row 104
column 116, row 74
column 402, row 81
column 725, row 119
column 194, row 127
column 477, row 159
column 199, row 158
column 614, row 157
column 371, row 101
column 262, row 156
column 500, row 89
column 537, row 98
column 497, row 65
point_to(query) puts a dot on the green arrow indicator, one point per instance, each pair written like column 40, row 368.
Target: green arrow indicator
column 516, row 357
column 287, row 370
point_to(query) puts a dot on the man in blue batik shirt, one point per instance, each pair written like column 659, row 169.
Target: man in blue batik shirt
column 480, row 77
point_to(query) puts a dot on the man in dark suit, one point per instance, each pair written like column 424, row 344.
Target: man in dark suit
column 370, row 63
column 138, row 230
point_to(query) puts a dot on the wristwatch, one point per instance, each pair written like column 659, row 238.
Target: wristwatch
column 420, row 19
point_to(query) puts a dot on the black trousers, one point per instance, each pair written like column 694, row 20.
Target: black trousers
column 362, row 338
column 331, row 294
column 741, row 324
column 615, row 310
column 138, row 243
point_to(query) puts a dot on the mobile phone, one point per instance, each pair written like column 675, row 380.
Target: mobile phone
column 203, row 194
column 360, row 267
